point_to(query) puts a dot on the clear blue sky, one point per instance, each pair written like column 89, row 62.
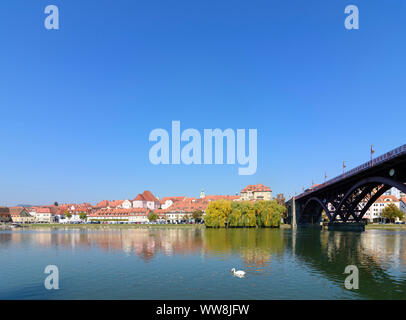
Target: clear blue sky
column 77, row 104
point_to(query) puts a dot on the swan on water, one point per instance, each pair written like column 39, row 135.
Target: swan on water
column 238, row 273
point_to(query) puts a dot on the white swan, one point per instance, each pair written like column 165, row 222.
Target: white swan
column 238, row 273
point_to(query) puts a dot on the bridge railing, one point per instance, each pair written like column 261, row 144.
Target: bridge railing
column 385, row 157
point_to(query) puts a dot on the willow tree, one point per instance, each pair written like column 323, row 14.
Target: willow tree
column 269, row 213
column 217, row 213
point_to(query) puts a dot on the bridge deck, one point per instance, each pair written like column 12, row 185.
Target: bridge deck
column 363, row 169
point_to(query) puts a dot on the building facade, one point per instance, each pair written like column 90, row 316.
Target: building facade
column 21, row 215
column 374, row 213
column 44, row 215
column 254, row 192
column 146, row 200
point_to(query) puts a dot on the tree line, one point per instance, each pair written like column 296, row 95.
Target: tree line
column 223, row 213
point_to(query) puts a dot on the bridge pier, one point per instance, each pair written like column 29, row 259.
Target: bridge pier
column 344, row 226
column 294, row 224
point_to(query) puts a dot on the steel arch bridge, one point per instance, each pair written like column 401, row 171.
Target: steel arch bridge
column 349, row 196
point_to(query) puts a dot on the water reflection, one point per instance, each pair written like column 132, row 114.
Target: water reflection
column 379, row 255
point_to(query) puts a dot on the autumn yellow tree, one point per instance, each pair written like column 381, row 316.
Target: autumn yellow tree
column 217, row 213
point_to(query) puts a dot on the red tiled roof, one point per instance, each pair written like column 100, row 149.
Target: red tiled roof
column 16, row 211
column 385, row 198
column 174, row 199
column 119, row 212
column 43, row 210
column 181, row 206
column 139, row 197
column 103, row 204
column 256, row 188
column 115, row 203
column 146, row 196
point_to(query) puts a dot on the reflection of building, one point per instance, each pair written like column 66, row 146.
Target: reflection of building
column 256, row 258
column 256, row 192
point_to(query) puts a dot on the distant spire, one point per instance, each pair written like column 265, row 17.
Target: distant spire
column 202, row 195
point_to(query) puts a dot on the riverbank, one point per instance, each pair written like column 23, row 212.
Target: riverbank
column 112, row 226
column 118, row 226
column 389, row 226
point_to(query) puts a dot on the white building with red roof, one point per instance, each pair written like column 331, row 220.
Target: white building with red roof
column 374, row 213
column 21, row 215
column 146, row 200
column 132, row 215
column 255, row 192
column 44, row 215
column 181, row 210
column 166, row 202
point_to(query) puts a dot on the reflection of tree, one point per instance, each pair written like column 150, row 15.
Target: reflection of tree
column 330, row 252
column 373, row 252
column 255, row 245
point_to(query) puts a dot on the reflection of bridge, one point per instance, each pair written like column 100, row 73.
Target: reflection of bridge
column 348, row 196
column 329, row 253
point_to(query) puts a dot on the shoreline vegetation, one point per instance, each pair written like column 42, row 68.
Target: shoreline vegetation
column 244, row 214
column 110, row 226
column 163, row 226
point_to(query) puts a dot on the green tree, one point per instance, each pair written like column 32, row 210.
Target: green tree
column 248, row 217
column 56, row 204
column 244, row 214
column 391, row 212
column 197, row 215
column 269, row 213
column 67, row 214
column 217, row 213
column 324, row 216
column 152, row 216
column 82, row 216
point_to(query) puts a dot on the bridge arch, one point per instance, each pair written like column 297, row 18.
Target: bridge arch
column 370, row 184
column 320, row 203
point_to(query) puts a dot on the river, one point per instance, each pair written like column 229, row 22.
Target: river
column 195, row 263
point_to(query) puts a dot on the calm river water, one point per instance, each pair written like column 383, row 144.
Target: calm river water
column 195, row 263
